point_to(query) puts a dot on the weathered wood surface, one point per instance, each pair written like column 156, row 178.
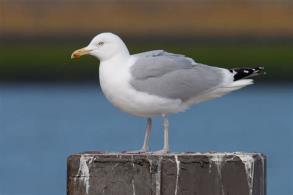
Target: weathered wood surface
column 95, row 173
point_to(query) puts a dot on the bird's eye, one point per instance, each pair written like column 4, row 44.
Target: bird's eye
column 100, row 43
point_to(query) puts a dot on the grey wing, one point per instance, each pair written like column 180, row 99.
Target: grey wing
column 172, row 75
column 158, row 62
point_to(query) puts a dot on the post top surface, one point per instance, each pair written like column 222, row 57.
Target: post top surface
column 211, row 155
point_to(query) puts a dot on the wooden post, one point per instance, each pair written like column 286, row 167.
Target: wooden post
column 93, row 173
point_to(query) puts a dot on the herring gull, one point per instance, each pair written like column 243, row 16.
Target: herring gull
column 157, row 82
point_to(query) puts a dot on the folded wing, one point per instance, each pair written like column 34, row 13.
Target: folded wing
column 174, row 76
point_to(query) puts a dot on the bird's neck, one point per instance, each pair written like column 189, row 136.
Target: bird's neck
column 119, row 57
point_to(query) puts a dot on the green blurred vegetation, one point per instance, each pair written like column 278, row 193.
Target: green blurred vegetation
column 50, row 61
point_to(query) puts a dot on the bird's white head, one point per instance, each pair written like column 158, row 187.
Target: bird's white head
column 104, row 46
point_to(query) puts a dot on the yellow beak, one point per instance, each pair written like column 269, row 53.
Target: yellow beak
column 80, row 52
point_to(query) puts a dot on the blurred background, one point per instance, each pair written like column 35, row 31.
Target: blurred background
column 51, row 106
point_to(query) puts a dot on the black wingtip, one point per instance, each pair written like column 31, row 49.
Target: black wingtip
column 260, row 70
column 240, row 73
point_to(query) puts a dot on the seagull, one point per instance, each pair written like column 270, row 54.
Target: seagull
column 157, row 82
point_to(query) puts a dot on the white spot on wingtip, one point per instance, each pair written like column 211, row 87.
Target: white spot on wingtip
column 83, row 171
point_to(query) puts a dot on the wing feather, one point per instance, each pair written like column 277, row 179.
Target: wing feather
column 173, row 75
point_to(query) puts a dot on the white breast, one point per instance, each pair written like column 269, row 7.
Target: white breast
column 114, row 81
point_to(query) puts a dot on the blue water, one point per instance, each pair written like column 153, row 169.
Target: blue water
column 40, row 125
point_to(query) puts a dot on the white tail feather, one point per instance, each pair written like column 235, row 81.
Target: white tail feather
column 232, row 87
column 240, row 83
column 220, row 91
